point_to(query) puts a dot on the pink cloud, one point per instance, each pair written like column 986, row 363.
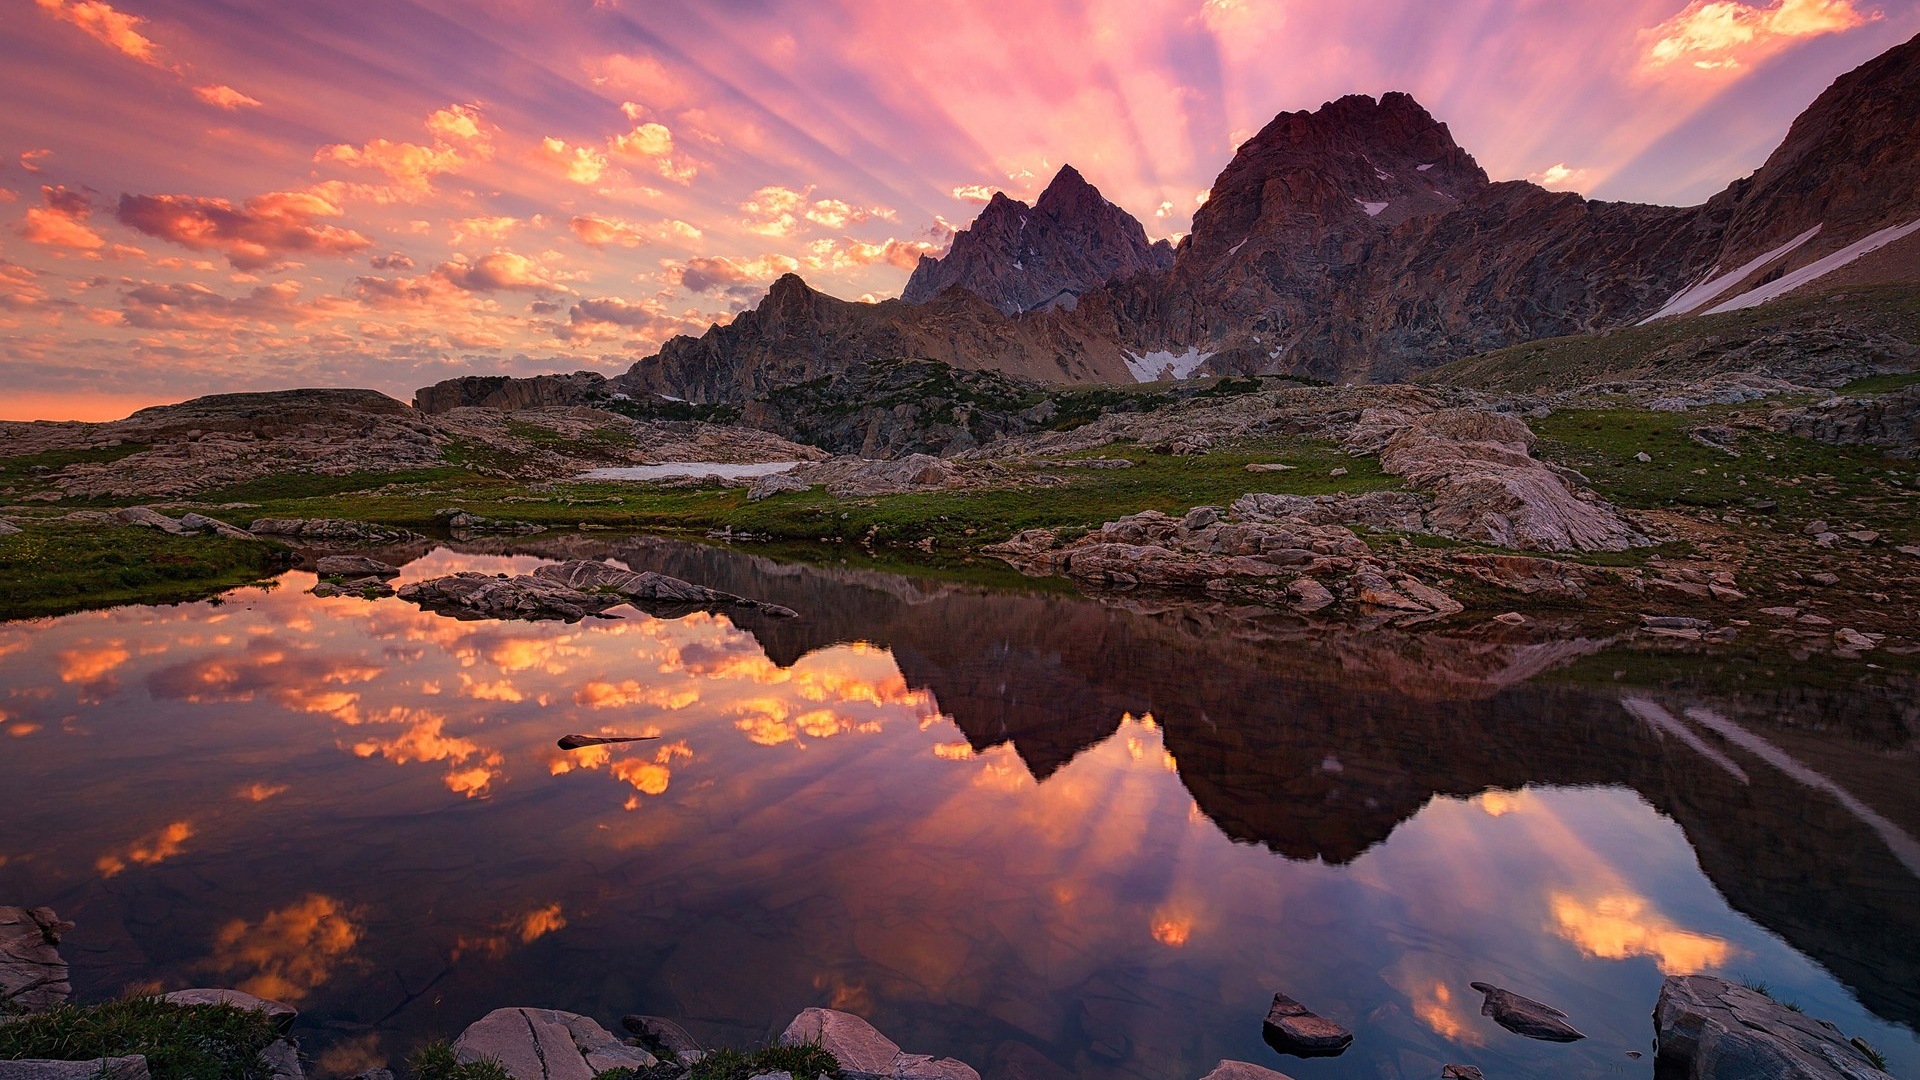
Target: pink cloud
column 224, row 97
column 62, row 222
column 115, row 29
column 259, row 233
column 1710, row 35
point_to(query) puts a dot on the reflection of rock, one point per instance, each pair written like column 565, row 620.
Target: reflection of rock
column 864, row 1053
column 661, row 1036
column 462, row 521
column 1461, row 1072
column 1242, row 1070
column 282, row 1016
column 1525, row 1016
column 648, row 587
column 1710, row 1029
column 1292, row 1028
column 547, row 1044
column 33, row 977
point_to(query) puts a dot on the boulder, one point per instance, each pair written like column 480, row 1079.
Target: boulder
column 864, row 1053
column 366, row 588
column 282, row 1016
column 846, row 477
column 546, row 1044
column 766, row 487
column 353, row 566
column 1710, row 1029
column 331, row 530
column 8, row 528
column 1292, row 1028
column 201, row 523
column 473, row 595
column 1242, row 1070
column 149, row 518
column 1487, row 486
column 660, row 1035
column 33, row 977
column 460, row 521
column 131, row 1067
column 1525, row 1016
column 282, row 1059
column 648, row 587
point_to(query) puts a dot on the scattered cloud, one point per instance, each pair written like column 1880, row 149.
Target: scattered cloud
column 501, row 271
column 580, row 164
column 721, row 274
column 113, row 28
column 598, row 231
column 973, row 193
column 461, row 137
column 258, row 234
column 1561, row 176
column 1720, row 35
column 62, row 221
column 224, row 97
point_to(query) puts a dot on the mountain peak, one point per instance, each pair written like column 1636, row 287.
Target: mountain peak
column 1067, row 190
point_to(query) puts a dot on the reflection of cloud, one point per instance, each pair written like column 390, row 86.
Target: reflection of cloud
column 1619, row 926
column 289, row 952
column 261, row 792
column 1434, row 1007
column 518, row 930
column 1172, row 929
column 160, row 846
column 85, row 665
column 600, row 694
column 425, row 739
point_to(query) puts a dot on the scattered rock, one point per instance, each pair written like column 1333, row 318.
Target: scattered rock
column 1342, row 471
column 1242, row 1070
column 282, row 1016
column 1848, row 638
column 1461, row 1072
column 1710, row 1029
column 864, row 1053
column 353, row 566
column 1511, row 618
column 1643, row 457
column 547, row 1044
column 647, row 587
column 8, row 528
column 201, row 523
column 366, row 588
column 33, row 977
column 1674, row 622
column 1525, row 1016
column 766, row 487
column 850, row 477
column 1260, row 467
column 1292, row 1028
column 149, row 518
column 332, row 530
column 131, row 1067
column 460, row 521
column 472, row 595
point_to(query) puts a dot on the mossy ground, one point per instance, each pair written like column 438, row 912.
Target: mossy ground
column 181, row 1042
column 51, row 568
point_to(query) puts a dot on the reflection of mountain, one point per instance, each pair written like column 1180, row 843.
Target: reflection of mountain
column 1319, row 745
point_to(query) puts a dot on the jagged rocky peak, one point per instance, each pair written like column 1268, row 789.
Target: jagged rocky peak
column 1024, row 258
column 1352, row 159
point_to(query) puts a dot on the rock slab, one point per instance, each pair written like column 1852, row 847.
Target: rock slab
column 864, row 1053
column 282, row 1016
column 1710, row 1029
column 546, row 1044
column 1525, row 1016
column 1292, row 1028
column 33, row 977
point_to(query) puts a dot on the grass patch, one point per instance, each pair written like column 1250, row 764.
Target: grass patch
column 52, row 568
column 283, row 486
column 181, row 1042
column 1881, row 384
column 435, row 1061
column 802, row 1062
column 55, row 460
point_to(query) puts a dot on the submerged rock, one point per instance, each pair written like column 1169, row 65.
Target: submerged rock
column 332, row 530
column 646, row 586
column 1292, row 1028
column 1525, row 1016
column 366, row 588
column 353, row 566
column 33, row 977
column 547, row 1044
column 864, row 1053
column 575, row 742
column 1243, row 1070
column 1710, row 1029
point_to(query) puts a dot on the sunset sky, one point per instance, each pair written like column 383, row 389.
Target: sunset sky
column 211, row 195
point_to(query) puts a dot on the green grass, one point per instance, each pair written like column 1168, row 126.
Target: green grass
column 1881, row 384
column 51, row 568
column 181, row 1042
column 285, row 486
column 435, row 1061
column 55, row 460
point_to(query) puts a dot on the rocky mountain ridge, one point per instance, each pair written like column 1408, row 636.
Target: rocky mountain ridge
column 1357, row 242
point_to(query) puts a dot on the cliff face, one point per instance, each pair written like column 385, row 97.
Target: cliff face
column 1025, row 258
column 1357, row 242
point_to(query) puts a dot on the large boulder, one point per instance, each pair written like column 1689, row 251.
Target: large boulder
column 282, row 1016
column 1525, row 1016
column 1890, row 421
column 353, row 566
column 1710, row 1029
column 33, row 977
column 547, row 1044
column 1243, row 1070
column 473, row 595
column 1488, row 487
column 864, row 1053
column 1292, row 1028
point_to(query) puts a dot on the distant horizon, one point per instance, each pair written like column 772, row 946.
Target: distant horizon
column 196, row 204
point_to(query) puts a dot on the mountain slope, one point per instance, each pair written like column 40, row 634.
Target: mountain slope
column 1021, row 258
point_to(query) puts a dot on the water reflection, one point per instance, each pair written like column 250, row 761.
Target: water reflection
column 1014, row 828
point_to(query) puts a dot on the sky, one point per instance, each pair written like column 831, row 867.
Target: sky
column 200, row 196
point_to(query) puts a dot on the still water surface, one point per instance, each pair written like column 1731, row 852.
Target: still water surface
column 1047, row 836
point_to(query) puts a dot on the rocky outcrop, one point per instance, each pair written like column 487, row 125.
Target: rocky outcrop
column 1292, row 1028
column 864, row 1053
column 282, row 1015
column 331, row 530
column 353, row 566
column 1020, row 258
column 1889, row 421
column 1488, row 487
column 511, row 394
column 1525, row 1016
column 1710, row 1029
column 1255, row 554
column 569, row 592
column 648, row 587
column 854, row 477
column 33, row 977
column 546, row 1044
column 461, row 522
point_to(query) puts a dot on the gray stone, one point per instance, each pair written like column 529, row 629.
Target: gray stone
column 605, row 579
column 766, row 487
column 282, row 1060
column 282, row 1016
column 8, row 528
column 332, row 530
column 132, row 1067
column 546, row 1044
column 149, row 518
column 1710, row 1029
column 1525, row 1016
column 461, row 521
column 864, row 1053
column 782, row 1075
column 33, row 977
column 1292, row 1028
column 1674, row 622
column 201, row 523
column 353, row 566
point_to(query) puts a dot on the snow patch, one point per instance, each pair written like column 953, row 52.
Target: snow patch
column 1372, row 208
column 672, row 470
column 1236, row 247
column 1688, row 299
column 1424, row 168
column 1786, row 283
column 1156, row 366
column 1383, row 175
